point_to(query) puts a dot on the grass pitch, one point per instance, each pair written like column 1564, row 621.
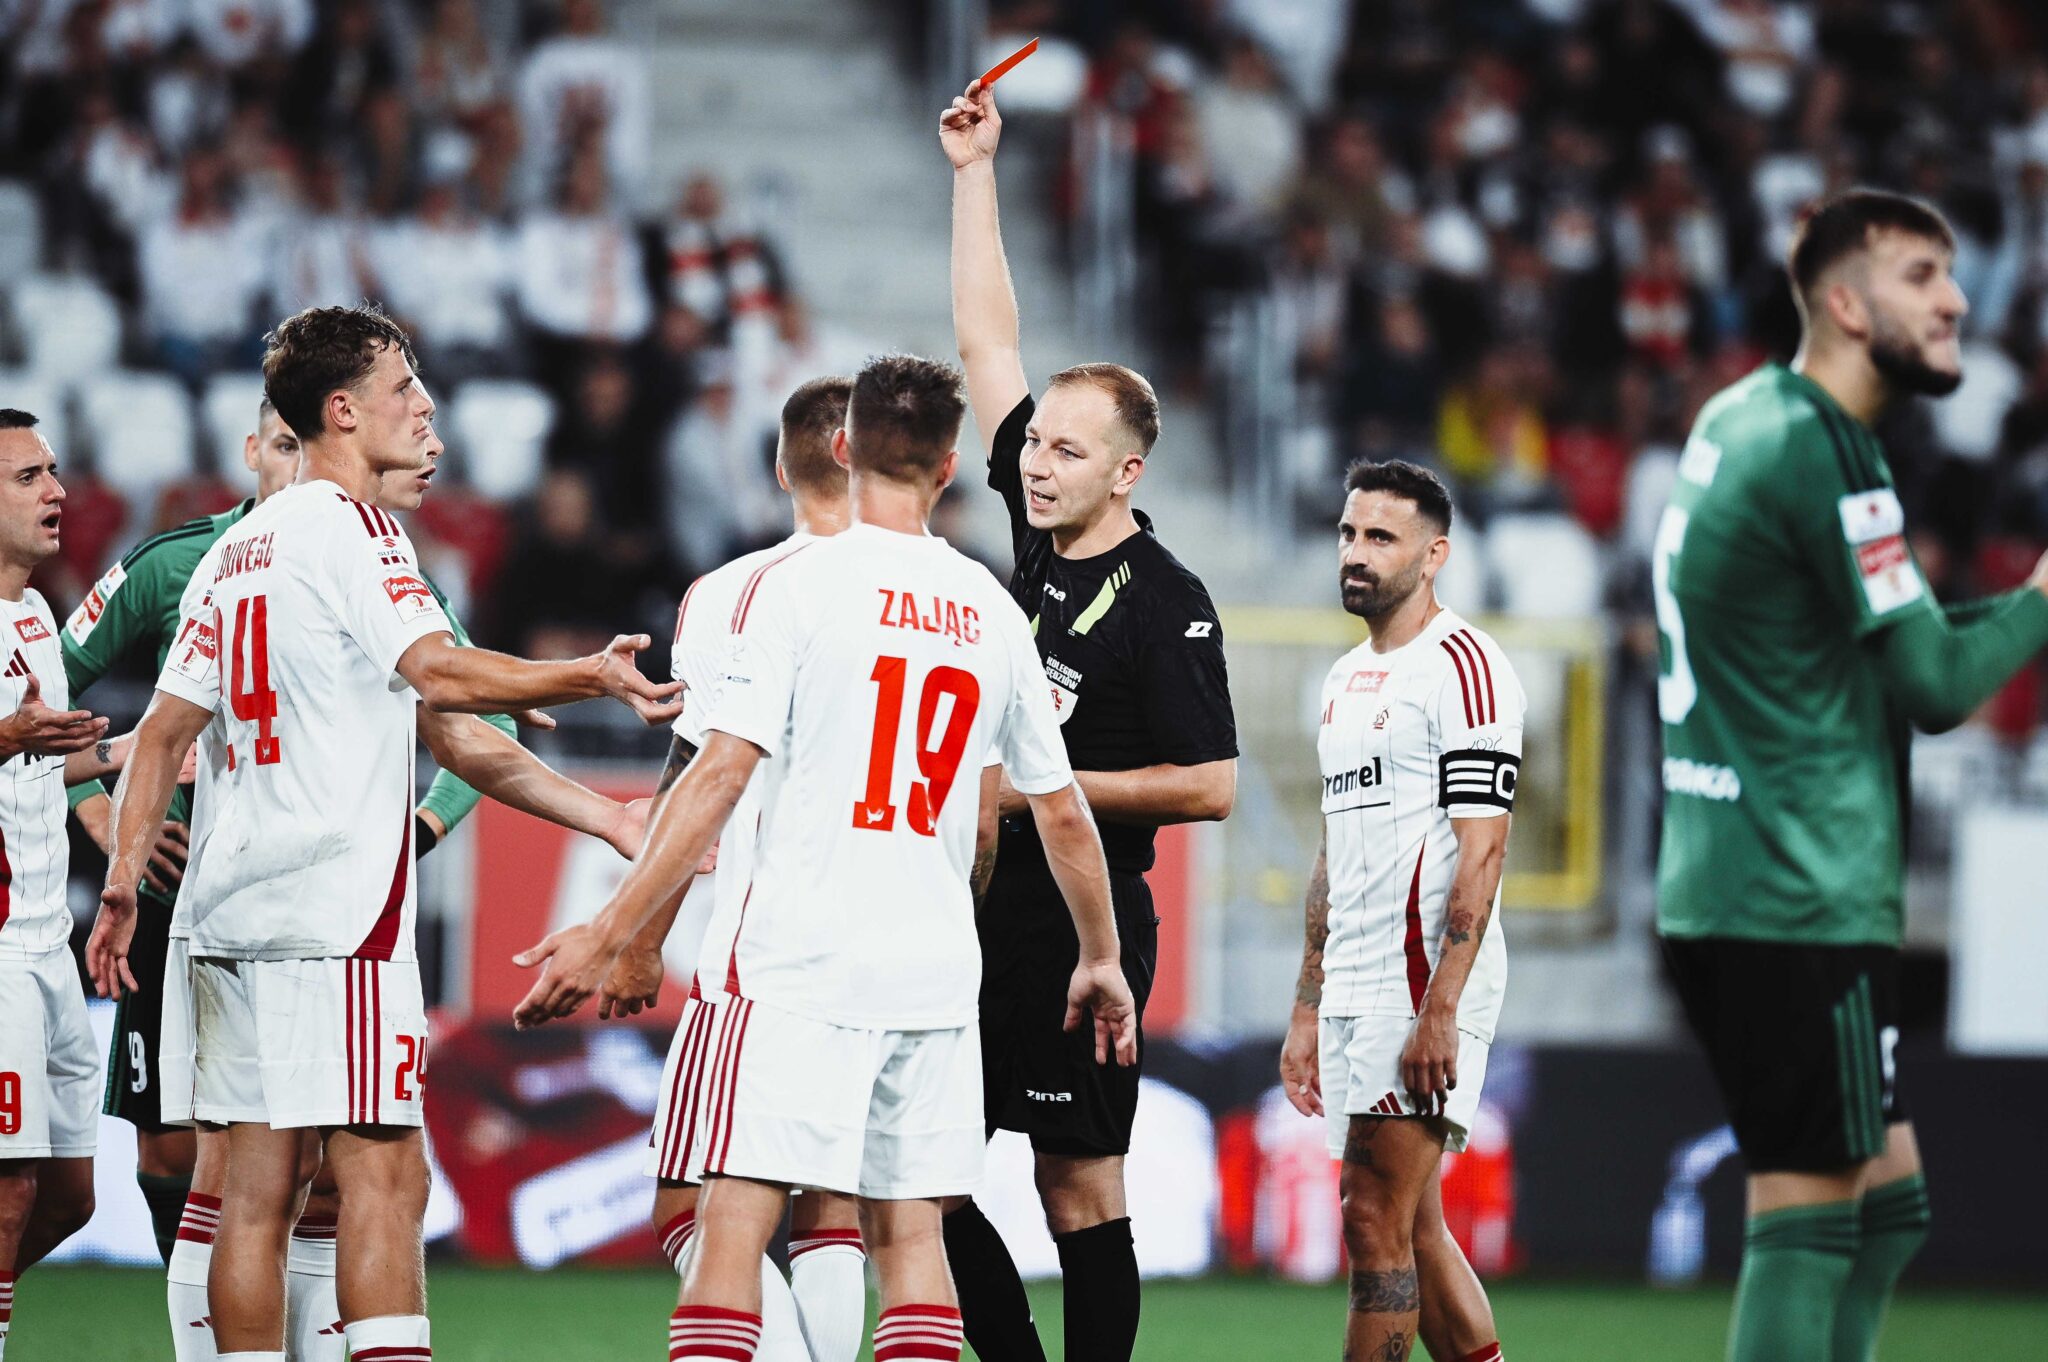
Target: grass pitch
column 482, row 1315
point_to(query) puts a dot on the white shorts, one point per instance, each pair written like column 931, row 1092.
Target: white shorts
column 49, row 1062
column 335, row 1042
column 892, row 1115
column 1360, row 1062
column 676, row 1109
column 176, row 1041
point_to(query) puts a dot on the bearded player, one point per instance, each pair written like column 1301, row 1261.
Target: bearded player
column 1404, row 969
column 1801, row 645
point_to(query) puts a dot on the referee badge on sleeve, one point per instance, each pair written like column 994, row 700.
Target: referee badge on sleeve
column 1475, row 776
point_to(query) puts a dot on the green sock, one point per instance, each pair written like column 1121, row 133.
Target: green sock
column 1895, row 1220
column 1795, row 1263
column 166, row 1198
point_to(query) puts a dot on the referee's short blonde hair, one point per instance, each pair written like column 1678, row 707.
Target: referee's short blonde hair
column 1137, row 406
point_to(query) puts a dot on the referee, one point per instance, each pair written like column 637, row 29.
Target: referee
column 1134, row 655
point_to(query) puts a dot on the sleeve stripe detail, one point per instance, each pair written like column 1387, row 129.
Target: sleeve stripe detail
column 362, row 514
column 739, row 612
column 1475, row 675
column 683, row 608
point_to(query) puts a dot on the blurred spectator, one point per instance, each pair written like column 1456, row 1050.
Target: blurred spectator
column 1250, row 131
column 448, row 273
column 321, row 258
column 240, row 32
column 560, row 593
column 719, row 498
column 202, row 273
column 711, row 264
column 1765, row 43
column 1351, row 187
column 1661, row 312
column 580, row 277
column 348, row 60
column 583, row 83
column 604, row 435
column 461, row 92
column 1492, row 435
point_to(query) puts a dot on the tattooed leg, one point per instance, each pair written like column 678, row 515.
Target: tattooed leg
column 1388, row 1162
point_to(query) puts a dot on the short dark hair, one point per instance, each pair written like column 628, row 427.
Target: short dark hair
column 314, row 352
column 1410, row 481
column 1137, row 406
column 809, row 417
column 14, row 418
column 1843, row 224
column 903, row 416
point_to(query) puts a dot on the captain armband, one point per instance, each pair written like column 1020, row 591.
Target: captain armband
column 1474, row 776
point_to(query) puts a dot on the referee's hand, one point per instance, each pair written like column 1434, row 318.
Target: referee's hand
column 1099, row 990
column 970, row 127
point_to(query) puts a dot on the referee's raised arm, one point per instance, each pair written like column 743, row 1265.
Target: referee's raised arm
column 984, row 301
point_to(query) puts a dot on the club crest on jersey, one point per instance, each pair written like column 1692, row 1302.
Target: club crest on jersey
column 1365, row 683
column 89, row 610
column 1379, row 721
column 32, row 629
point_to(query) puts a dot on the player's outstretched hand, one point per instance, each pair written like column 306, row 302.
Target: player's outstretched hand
column 533, row 718
column 44, row 732
column 1301, row 1072
column 1429, row 1062
column 106, row 950
column 634, row 983
column 1101, row 991
column 628, row 832
column 970, row 127
column 575, row 964
column 656, row 703
column 166, row 868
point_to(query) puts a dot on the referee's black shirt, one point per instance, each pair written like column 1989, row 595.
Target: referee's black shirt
column 1132, row 648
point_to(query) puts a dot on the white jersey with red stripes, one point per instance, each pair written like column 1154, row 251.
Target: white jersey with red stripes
column 35, row 853
column 875, row 670
column 293, row 626
column 1410, row 740
column 704, row 633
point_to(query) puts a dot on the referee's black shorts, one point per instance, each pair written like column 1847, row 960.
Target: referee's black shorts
column 1037, row 1078
column 1801, row 1040
column 133, row 1083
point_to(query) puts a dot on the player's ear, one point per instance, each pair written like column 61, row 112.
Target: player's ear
column 1847, row 308
column 249, row 448
column 781, row 474
column 341, row 410
column 1127, row 476
column 840, row 453
column 949, row 468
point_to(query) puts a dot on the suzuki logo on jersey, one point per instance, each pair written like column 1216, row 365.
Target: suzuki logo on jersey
column 1350, row 782
column 32, row 629
column 1365, row 683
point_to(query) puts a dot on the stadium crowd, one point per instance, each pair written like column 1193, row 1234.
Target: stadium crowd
column 208, row 168
column 1522, row 240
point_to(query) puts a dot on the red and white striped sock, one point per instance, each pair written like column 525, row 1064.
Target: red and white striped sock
column 201, row 1220
column 1489, row 1353
column 315, row 1331
column 828, row 1276
column 185, row 1283
column 711, row 1333
column 6, row 1308
column 389, row 1338
column 927, row 1333
column 675, row 1238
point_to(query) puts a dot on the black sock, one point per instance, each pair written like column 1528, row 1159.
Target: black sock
column 166, row 1198
column 994, row 1311
column 1099, row 1270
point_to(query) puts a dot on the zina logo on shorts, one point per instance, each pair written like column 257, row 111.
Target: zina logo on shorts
column 1037, row 1096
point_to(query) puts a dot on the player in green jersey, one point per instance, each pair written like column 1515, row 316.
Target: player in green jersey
column 1801, row 645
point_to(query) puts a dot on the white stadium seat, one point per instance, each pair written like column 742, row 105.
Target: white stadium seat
column 1547, row 567
column 69, row 327
column 497, row 431
column 141, row 428
column 44, row 400
column 227, row 410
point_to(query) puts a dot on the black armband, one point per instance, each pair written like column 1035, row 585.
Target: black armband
column 1474, row 776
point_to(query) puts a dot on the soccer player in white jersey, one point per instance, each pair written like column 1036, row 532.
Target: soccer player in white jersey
column 49, row 1061
column 1404, row 970
column 820, row 1313
column 866, row 672
column 308, row 639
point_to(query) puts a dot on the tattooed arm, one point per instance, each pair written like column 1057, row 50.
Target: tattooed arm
column 1300, row 1075
column 1429, row 1064
column 635, row 980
